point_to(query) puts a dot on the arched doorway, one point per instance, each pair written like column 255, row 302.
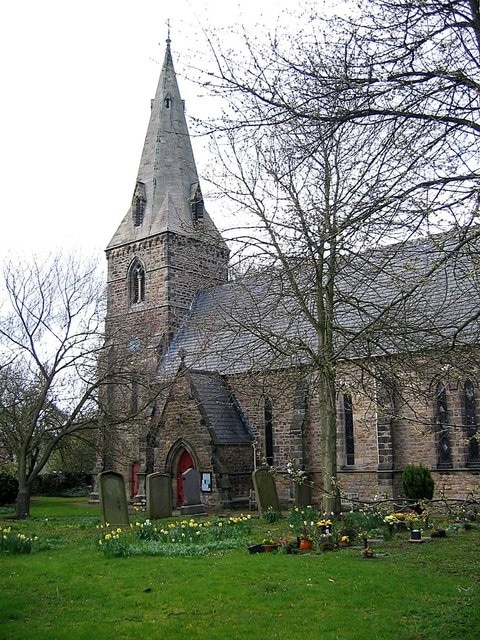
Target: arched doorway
column 185, row 461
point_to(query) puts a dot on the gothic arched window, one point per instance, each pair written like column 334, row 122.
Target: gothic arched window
column 444, row 449
column 348, row 424
column 137, row 282
column 471, row 428
column 268, row 424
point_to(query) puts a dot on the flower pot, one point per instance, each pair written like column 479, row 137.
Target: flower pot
column 255, row 548
column 306, row 545
column 415, row 534
column 269, row 547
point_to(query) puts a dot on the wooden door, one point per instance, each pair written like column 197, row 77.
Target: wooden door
column 184, row 462
column 135, row 468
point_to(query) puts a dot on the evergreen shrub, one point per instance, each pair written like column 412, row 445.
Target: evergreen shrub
column 418, row 483
column 8, row 486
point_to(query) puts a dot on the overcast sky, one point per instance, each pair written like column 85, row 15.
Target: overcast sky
column 77, row 79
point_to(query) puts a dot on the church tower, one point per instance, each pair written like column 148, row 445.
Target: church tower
column 165, row 249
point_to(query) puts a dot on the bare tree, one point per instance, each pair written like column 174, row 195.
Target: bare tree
column 414, row 64
column 330, row 186
column 51, row 336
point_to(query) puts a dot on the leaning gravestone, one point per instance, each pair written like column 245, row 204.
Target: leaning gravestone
column 265, row 490
column 113, row 499
column 159, row 496
column 192, row 502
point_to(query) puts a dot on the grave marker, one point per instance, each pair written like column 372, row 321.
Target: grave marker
column 159, row 496
column 113, row 499
column 192, row 502
column 265, row 490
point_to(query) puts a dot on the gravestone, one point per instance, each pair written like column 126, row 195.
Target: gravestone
column 113, row 499
column 159, row 496
column 303, row 494
column 192, row 502
column 265, row 490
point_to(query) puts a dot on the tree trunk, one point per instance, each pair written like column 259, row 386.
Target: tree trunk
column 328, row 423
column 22, row 504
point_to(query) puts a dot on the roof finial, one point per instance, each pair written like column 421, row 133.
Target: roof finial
column 168, row 33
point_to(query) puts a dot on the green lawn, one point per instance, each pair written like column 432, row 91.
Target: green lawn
column 69, row 589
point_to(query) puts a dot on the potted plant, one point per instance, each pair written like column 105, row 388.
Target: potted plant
column 268, row 544
column 343, row 541
column 301, row 517
column 305, row 539
column 367, row 552
column 325, row 526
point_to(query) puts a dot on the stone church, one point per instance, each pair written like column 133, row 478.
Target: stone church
column 206, row 389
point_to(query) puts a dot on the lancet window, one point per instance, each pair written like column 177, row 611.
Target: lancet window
column 444, row 447
column 137, row 282
column 348, row 424
column 471, row 427
column 268, row 425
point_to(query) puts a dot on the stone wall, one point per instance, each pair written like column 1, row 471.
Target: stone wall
column 388, row 433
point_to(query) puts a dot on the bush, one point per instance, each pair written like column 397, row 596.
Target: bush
column 270, row 515
column 8, row 487
column 418, row 483
column 63, row 484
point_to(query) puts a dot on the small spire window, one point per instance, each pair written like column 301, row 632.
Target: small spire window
column 137, row 282
column 139, row 202
column 196, row 203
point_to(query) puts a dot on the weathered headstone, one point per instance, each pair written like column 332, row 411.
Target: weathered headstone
column 303, row 494
column 192, row 502
column 159, row 496
column 113, row 499
column 265, row 490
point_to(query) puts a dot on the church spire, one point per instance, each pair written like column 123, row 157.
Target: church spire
column 167, row 194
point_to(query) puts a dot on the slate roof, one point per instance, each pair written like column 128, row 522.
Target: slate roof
column 399, row 298
column 222, row 415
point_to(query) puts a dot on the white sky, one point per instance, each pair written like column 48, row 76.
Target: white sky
column 77, row 78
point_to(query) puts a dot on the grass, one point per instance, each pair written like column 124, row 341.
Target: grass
column 68, row 589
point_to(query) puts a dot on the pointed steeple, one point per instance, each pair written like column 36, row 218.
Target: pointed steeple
column 167, row 194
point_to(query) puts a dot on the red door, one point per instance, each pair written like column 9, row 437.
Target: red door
column 135, row 468
column 185, row 462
